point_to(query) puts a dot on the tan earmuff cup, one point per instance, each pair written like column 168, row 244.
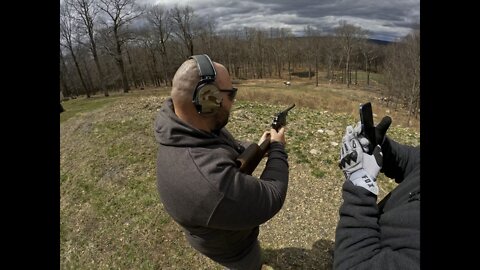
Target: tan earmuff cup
column 210, row 98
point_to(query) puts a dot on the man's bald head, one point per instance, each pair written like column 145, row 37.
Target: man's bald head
column 184, row 82
column 187, row 77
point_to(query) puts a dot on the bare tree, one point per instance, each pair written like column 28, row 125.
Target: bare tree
column 87, row 10
column 205, row 36
column 63, row 74
column 369, row 53
column 149, row 45
column 83, row 56
column 314, row 49
column 285, row 36
column 161, row 21
column 132, row 69
column 183, row 18
column 349, row 37
column 402, row 72
column 260, row 52
column 119, row 14
column 230, row 47
column 412, row 53
column 251, row 58
column 68, row 30
column 274, row 45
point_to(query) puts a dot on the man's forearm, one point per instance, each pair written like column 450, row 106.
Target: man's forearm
column 357, row 234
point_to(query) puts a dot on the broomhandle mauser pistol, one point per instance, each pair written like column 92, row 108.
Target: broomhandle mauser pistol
column 368, row 129
column 251, row 157
column 280, row 118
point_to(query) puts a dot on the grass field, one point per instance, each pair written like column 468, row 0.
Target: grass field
column 110, row 213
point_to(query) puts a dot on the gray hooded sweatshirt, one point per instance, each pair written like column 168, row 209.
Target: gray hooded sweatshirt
column 218, row 207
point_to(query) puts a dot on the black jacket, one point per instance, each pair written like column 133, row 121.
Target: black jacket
column 387, row 235
column 219, row 208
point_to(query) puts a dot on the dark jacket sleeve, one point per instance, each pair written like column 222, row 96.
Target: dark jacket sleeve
column 357, row 237
column 251, row 201
column 398, row 159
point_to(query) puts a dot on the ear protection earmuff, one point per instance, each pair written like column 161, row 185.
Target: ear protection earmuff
column 206, row 97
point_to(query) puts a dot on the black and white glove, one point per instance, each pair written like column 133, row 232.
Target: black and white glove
column 380, row 131
column 359, row 167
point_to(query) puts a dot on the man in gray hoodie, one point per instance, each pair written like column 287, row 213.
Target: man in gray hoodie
column 218, row 207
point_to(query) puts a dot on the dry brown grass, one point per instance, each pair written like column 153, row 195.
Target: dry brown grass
column 329, row 97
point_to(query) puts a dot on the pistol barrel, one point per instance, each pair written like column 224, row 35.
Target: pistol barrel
column 289, row 108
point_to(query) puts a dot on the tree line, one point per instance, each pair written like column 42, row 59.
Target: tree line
column 108, row 45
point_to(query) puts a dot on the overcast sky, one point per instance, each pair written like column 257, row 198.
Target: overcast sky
column 385, row 19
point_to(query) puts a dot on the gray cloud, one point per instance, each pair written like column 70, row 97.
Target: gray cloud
column 386, row 19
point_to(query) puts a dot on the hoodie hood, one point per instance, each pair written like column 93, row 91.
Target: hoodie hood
column 172, row 131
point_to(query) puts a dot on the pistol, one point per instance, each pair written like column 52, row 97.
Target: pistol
column 280, row 119
column 251, row 157
column 368, row 129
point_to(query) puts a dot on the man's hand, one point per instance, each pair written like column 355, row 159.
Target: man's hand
column 265, row 136
column 349, row 154
column 380, row 131
column 359, row 167
column 278, row 136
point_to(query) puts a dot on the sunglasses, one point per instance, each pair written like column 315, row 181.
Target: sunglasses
column 231, row 92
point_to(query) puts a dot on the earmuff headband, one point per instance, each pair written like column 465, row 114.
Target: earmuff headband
column 207, row 74
column 205, row 66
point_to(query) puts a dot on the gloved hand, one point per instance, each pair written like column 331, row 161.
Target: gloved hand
column 359, row 167
column 380, row 131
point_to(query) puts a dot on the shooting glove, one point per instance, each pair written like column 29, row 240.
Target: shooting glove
column 359, row 167
column 380, row 131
